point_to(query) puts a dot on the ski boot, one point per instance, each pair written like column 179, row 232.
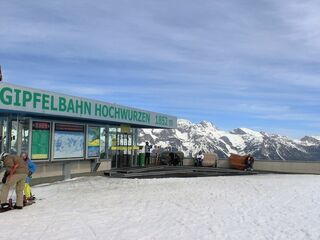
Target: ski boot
column 17, row 207
column 5, row 207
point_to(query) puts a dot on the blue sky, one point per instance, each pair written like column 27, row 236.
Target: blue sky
column 236, row 63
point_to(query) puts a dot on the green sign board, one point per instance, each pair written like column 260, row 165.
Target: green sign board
column 40, row 140
column 18, row 98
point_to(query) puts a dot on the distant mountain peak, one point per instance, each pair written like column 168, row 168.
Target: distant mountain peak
column 238, row 131
column 207, row 124
column 184, row 122
column 311, row 140
column 247, row 131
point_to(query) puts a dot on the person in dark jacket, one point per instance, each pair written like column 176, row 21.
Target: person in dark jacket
column 174, row 159
column 147, row 152
column 249, row 163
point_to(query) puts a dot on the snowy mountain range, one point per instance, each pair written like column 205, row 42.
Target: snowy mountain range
column 190, row 138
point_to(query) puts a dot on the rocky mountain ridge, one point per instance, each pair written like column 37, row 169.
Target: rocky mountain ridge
column 190, row 138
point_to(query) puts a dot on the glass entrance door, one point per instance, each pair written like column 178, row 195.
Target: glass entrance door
column 123, row 153
column 121, row 146
column 120, row 152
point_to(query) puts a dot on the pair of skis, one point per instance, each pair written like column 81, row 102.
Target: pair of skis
column 11, row 205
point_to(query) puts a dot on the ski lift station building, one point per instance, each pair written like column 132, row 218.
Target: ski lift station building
column 67, row 135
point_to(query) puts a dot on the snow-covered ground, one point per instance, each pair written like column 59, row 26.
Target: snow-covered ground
column 241, row 207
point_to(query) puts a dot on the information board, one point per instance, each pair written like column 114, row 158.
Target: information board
column 68, row 141
column 40, row 140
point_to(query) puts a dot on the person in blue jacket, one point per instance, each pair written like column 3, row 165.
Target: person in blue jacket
column 32, row 168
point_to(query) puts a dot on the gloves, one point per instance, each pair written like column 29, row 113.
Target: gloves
column 5, row 176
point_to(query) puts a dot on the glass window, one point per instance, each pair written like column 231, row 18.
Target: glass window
column 93, row 141
column 112, row 129
column 19, row 135
column 112, row 139
column 3, row 134
column 14, row 137
column 24, row 124
column 103, row 143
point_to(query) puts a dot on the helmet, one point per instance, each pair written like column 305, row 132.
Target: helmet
column 3, row 155
column 25, row 155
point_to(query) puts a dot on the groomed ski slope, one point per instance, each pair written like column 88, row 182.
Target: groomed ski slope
column 240, row 207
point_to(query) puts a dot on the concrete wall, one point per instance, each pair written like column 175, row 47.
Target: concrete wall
column 223, row 163
column 188, row 162
column 311, row 167
column 61, row 169
column 54, row 171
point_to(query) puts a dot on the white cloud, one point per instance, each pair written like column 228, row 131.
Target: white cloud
column 254, row 57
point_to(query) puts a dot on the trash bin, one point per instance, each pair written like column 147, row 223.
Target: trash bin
column 141, row 159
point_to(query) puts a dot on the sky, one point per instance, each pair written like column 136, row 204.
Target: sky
column 236, row 63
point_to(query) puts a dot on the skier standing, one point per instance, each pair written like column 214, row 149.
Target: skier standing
column 32, row 168
column 16, row 173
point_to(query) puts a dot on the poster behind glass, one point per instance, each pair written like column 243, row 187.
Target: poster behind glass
column 40, row 140
column 68, row 141
column 93, row 141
